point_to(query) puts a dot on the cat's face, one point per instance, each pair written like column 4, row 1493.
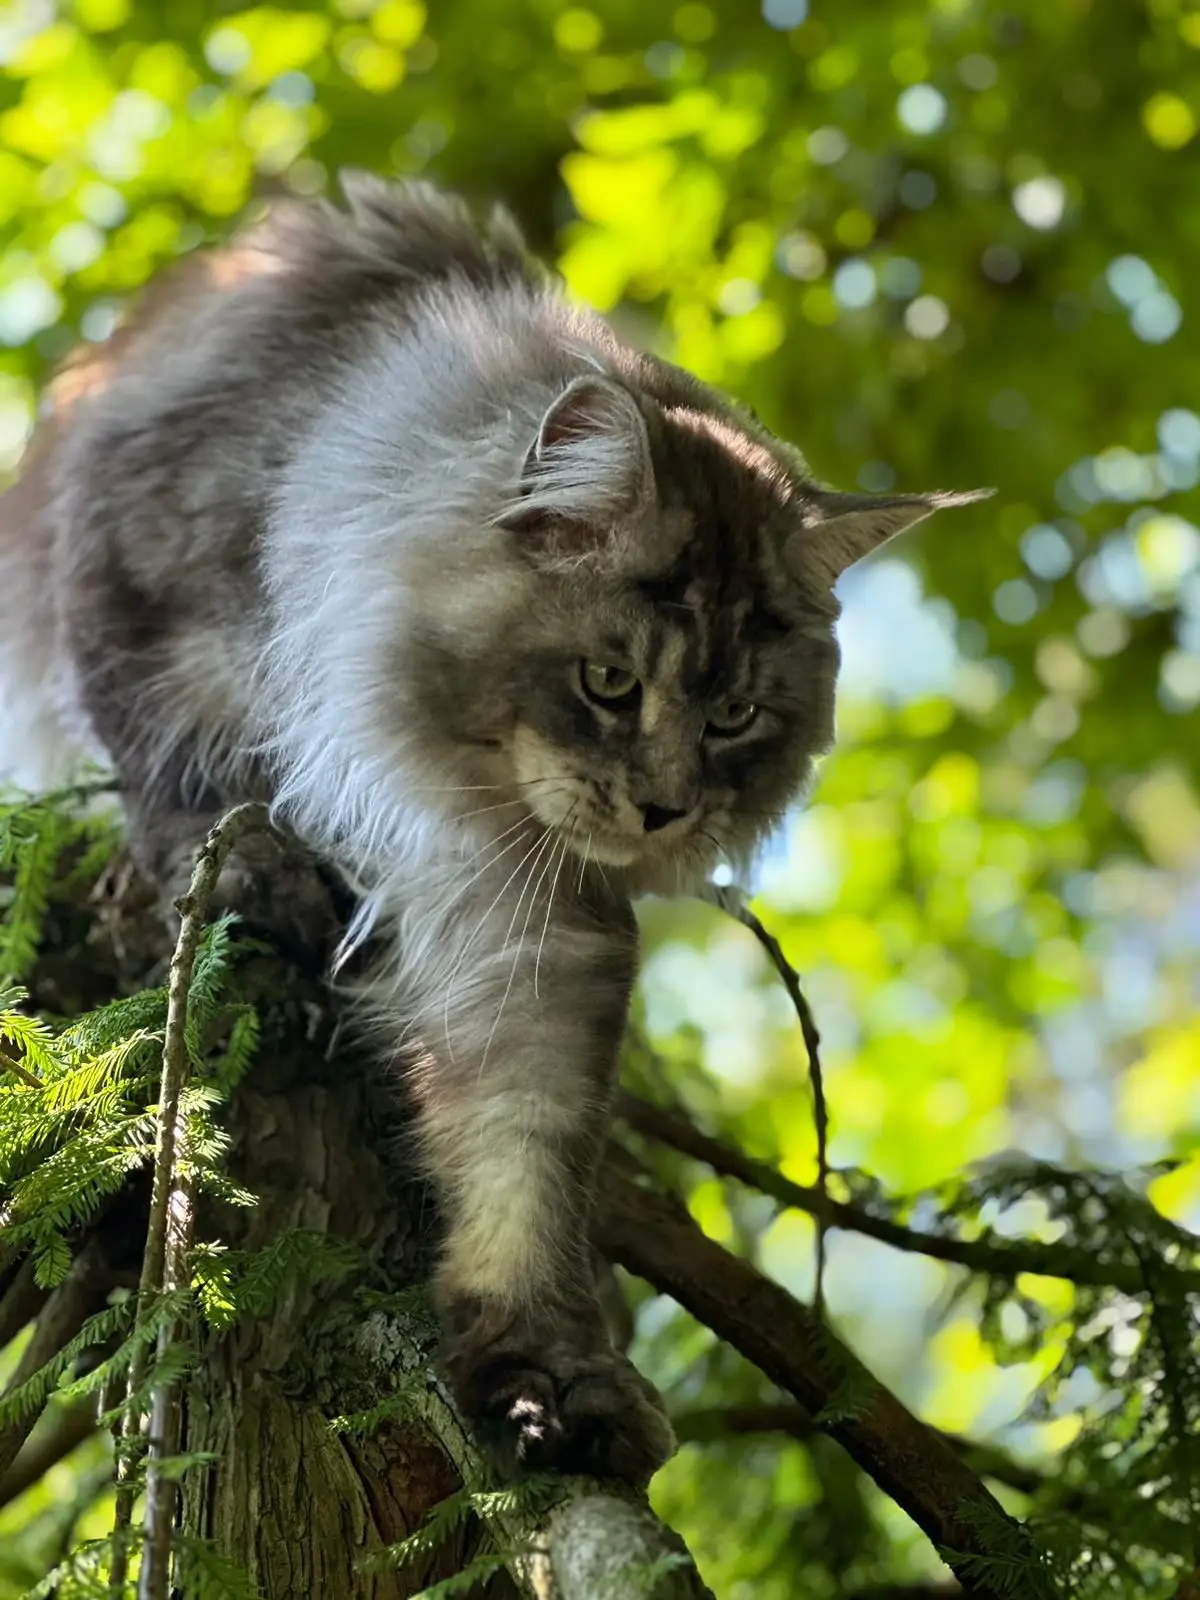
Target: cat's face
column 669, row 721
column 658, row 692
column 649, row 764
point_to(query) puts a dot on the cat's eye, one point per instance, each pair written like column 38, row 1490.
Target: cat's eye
column 608, row 686
column 731, row 716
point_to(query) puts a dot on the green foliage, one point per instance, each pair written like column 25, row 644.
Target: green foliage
column 231, row 1283
column 31, row 1395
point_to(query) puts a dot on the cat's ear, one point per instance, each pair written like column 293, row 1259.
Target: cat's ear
column 587, row 468
column 839, row 529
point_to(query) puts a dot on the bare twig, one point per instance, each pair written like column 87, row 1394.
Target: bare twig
column 169, row 1231
column 654, row 1236
column 1004, row 1258
column 735, row 905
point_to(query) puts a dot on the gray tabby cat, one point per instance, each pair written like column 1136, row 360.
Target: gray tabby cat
column 510, row 622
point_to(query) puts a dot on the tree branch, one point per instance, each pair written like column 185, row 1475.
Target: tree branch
column 29, row 1079
column 594, row 1540
column 989, row 1255
column 653, row 1236
column 21, row 1301
column 712, row 1425
column 67, row 1431
column 74, row 1300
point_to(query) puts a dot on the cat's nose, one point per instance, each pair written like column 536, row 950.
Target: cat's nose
column 656, row 817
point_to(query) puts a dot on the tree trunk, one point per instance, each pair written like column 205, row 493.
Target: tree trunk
column 292, row 1501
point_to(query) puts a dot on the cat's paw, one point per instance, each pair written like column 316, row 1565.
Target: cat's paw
column 546, row 1406
column 275, row 886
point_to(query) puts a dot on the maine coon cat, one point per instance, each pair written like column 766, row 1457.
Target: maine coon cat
column 509, row 621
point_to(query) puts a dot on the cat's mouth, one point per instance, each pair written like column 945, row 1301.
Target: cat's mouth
column 596, row 819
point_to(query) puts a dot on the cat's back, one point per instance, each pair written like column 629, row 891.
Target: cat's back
column 143, row 491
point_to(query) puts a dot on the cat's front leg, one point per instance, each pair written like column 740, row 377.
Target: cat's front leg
column 512, row 1081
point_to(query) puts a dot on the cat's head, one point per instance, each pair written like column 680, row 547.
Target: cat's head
column 667, row 680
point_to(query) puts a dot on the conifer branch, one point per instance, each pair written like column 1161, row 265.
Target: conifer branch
column 989, row 1255
column 168, row 1235
column 46, row 1449
column 653, row 1236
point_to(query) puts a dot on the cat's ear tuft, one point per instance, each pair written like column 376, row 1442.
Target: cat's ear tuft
column 839, row 529
column 588, row 465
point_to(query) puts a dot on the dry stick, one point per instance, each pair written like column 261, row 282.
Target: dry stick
column 735, row 905
column 653, row 1236
column 988, row 1254
column 169, row 1232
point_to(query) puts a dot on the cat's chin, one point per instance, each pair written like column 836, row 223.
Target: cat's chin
column 611, row 851
column 645, row 867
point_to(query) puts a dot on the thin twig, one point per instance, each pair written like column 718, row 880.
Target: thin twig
column 7, row 1064
column 169, row 1229
column 1001, row 1258
column 734, row 903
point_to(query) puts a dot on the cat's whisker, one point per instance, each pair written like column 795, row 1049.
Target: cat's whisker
column 470, row 940
column 537, row 965
column 583, row 865
column 474, row 788
column 482, row 811
column 519, row 948
column 442, row 909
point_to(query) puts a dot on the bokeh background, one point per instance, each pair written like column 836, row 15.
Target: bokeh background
column 937, row 245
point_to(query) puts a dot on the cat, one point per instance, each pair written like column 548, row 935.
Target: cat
column 510, row 622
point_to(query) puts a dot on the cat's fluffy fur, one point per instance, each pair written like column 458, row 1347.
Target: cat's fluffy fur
column 335, row 520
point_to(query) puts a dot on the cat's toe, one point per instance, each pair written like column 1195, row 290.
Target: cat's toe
column 511, row 1407
column 613, row 1423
